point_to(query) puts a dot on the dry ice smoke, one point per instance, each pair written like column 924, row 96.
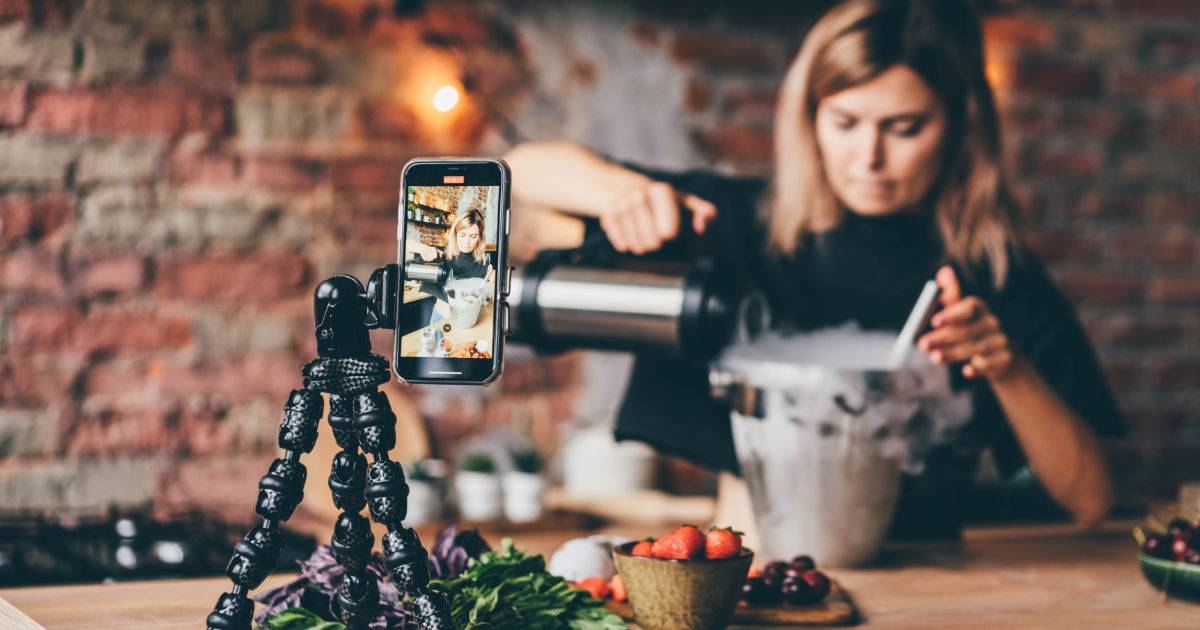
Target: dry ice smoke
column 839, row 377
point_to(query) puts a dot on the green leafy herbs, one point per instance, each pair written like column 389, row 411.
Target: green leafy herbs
column 480, row 463
column 298, row 619
column 527, row 461
column 506, row 588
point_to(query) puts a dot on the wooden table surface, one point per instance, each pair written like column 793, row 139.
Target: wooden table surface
column 410, row 344
column 1017, row 577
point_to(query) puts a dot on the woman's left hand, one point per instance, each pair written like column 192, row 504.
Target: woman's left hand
column 966, row 331
column 491, row 275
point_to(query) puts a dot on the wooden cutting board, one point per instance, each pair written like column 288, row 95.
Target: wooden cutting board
column 837, row 610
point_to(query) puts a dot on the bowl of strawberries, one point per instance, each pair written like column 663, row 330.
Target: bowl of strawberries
column 686, row 579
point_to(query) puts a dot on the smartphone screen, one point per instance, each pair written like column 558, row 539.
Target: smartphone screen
column 453, row 224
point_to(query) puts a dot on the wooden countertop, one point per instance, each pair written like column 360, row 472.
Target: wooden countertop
column 1003, row 578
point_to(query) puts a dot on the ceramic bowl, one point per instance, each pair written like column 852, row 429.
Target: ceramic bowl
column 1176, row 579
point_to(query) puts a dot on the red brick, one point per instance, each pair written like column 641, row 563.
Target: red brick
column 222, row 486
column 14, row 102
column 1018, row 31
column 738, row 144
column 1169, row 86
column 33, row 217
column 387, row 120
column 371, row 175
column 105, row 276
column 329, row 19
column 44, row 326
column 1043, row 75
column 232, row 379
column 1175, row 207
column 1175, row 290
column 1103, row 121
column 1159, row 8
column 16, row 9
column 1180, row 130
column 115, row 429
column 111, row 329
column 1165, row 247
column 55, row 12
column 721, row 51
column 1063, row 245
column 250, row 277
column 127, row 109
column 1178, row 374
column 31, row 269
column 1100, row 288
column 1142, row 333
column 204, row 64
column 37, row 379
column 1181, row 46
column 204, row 169
column 1045, row 161
column 281, row 173
column 751, row 105
column 284, row 63
column 644, row 33
column 696, row 95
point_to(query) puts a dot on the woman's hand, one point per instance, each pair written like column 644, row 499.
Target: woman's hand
column 648, row 215
column 966, row 331
column 490, row 277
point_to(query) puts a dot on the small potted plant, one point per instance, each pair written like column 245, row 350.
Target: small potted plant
column 478, row 488
column 524, row 486
column 425, row 500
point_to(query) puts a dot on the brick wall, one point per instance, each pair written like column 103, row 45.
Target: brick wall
column 175, row 177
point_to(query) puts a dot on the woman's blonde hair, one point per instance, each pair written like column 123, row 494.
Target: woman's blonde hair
column 855, row 42
column 472, row 217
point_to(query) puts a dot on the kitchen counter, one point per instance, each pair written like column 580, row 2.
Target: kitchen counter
column 1048, row 576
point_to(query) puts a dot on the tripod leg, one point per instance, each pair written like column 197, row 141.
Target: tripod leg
column 358, row 594
column 280, row 491
column 387, row 499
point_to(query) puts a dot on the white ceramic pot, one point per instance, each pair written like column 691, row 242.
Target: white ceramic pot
column 424, row 503
column 627, row 466
column 523, row 496
column 478, row 495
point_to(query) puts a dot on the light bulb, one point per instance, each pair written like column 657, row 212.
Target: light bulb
column 445, row 99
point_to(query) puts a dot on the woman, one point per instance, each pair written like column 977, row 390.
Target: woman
column 887, row 172
column 465, row 253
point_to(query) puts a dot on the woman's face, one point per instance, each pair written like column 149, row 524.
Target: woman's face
column 881, row 141
column 468, row 239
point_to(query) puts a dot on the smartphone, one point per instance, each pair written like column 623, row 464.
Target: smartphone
column 451, row 311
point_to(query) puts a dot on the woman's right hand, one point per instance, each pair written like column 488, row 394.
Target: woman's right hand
column 647, row 216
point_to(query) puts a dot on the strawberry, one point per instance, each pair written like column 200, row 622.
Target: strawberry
column 722, row 543
column 643, row 548
column 595, row 586
column 617, row 586
column 685, row 543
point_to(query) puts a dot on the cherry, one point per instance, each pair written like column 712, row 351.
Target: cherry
column 773, row 573
column 798, row 592
column 1159, row 547
column 818, row 581
column 758, row 593
column 804, row 563
column 1179, row 547
column 1178, row 526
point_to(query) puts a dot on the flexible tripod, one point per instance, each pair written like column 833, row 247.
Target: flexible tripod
column 362, row 421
